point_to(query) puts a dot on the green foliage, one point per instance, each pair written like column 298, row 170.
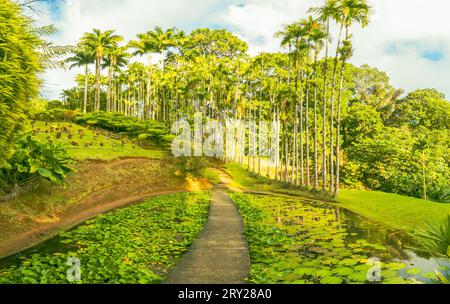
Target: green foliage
column 83, row 143
column 436, row 238
column 190, row 166
column 20, row 62
column 399, row 161
column 134, row 245
column 423, row 108
column 146, row 131
column 31, row 161
column 56, row 114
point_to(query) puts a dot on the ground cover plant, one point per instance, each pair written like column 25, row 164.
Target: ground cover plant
column 138, row 244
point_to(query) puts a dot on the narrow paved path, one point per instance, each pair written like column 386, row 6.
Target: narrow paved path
column 220, row 254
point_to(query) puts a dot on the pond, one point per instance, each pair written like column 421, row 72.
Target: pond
column 138, row 244
column 291, row 241
column 300, row 241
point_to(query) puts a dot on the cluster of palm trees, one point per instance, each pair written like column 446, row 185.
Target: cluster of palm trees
column 210, row 71
column 306, row 40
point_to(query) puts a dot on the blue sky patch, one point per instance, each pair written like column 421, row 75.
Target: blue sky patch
column 426, row 50
column 433, row 55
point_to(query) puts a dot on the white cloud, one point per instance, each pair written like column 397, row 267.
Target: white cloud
column 402, row 22
column 393, row 21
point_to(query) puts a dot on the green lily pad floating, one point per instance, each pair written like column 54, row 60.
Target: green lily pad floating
column 332, row 280
column 357, row 277
column 430, row 275
column 395, row 281
column 413, row 271
column 304, row 271
column 323, row 273
column 395, row 266
column 349, row 262
column 343, row 271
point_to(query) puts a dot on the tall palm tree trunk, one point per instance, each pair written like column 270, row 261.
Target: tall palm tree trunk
column 308, row 181
column 86, row 83
column 316, row 165
column 109, row 92
column 97, row 84
column 336, row 59
column 338, row 126
column 325, row 98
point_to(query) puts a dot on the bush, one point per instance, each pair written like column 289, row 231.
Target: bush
column 190, row 166
column 147, row 132
column 57, row 114
column 31, row 162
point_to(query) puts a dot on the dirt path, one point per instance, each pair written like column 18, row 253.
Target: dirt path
column 220, row 254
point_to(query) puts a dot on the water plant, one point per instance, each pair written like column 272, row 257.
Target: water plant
column 134, row 245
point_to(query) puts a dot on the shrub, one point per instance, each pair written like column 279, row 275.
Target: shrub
column 147, row 132
column 31, row 162
column 190, row 166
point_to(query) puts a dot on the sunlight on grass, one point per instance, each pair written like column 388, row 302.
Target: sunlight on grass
column 83, row 143
column 406, row 213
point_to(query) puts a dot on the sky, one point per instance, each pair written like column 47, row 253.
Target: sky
column 408, row 39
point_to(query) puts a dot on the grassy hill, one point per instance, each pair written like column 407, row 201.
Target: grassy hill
column 83, row 143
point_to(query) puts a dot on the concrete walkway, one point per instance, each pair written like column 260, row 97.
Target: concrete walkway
column 220, row 254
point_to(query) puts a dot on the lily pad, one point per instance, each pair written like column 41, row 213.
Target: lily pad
column 332, row 280
column 413, row 271
column 343, row 271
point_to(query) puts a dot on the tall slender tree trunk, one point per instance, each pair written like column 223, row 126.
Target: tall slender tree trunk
column 333, row 92
column 302, row 157
column 109, row 92
column 308, row 181
column 97, row 83
column 316, row 165
column 338, row 126
column 86, row 83
column 325, row 99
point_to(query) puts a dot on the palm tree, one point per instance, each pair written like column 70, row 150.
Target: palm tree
column 325, row 14
column 162, row 41
column 116, row 57
column 310, row 26
column 318, row 37
column 156, row 41
column 351, row 11
column 82, row 58
column 99, row 42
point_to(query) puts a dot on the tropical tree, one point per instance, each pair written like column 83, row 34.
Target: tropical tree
column 82, row 58
column 20, row 61
column 326, row 13
column 116, row 58
column 351, row 11
column 318, row 37
column 99, row 42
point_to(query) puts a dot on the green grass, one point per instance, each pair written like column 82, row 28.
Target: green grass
column 91, row 144
column 402, row 212
column 133, row 245
column 211, row 175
